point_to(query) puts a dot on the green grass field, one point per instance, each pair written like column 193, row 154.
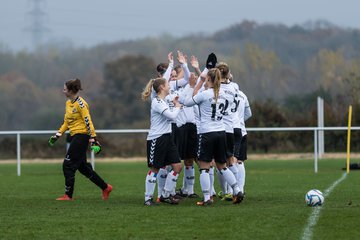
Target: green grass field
column 273, row 209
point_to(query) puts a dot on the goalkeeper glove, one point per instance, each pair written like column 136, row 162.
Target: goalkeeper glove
column 95, row 145
column 211, row 61
column 54, row 138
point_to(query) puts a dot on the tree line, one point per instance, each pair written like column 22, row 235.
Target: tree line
column 281, row 69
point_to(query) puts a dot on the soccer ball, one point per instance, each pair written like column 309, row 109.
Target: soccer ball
column 314, row 198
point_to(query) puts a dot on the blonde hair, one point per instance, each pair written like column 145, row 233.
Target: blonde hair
column 224, row 69
column 215, row 78
column 152, row 84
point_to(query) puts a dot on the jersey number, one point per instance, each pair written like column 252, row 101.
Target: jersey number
column 222, row 108
column 236, row 103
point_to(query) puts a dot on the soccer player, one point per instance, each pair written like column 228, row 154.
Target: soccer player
column 189, row 124
column 161, row 149
column 177, row 79
column 212, row 141
column 78, row 121
column 210, row 63
column 186, row 143
column 242, row 112
column 230, row 92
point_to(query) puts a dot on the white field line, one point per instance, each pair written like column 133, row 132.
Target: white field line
column 307, row 235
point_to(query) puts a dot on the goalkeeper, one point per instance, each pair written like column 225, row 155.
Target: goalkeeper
column 78, row 121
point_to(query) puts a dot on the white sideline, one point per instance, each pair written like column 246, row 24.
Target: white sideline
column 307, row 235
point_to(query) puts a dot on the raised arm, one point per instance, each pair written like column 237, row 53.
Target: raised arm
column 183, row 61
column 170, row 67
column 195, row 64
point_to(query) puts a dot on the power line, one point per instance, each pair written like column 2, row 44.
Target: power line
column 37, row 27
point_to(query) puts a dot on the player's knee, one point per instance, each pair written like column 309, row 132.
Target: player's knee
column 189, row 162
column 177, row 167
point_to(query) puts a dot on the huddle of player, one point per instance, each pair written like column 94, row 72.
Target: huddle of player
column 197, row 117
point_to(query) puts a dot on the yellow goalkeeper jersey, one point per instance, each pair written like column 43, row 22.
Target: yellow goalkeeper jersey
column 77, row 118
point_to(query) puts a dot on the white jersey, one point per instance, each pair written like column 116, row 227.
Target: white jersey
column 211, row 117
column 175, row 85
column 230, row 92
column 187, row 114
column 170, row 98
column 197, row 118
column 246, row 114
column 241, row 109
column 237, row 107
column 160, row 119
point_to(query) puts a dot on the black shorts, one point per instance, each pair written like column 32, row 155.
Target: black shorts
column 187, row 141
column 229, row 145
column 237, row 142
column 212, row 145
column 174, row 132
column 162, row 151
column 241, row 149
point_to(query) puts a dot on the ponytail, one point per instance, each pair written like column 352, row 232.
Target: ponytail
column 224, row 70
column 215, row 78
column 152, row 84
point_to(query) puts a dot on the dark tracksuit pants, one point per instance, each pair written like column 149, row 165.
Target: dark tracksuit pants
column 76, row 160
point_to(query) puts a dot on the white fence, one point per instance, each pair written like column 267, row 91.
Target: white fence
column 315, row 130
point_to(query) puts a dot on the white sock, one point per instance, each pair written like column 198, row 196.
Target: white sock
column 211, row 174
column 222, row 182
column 189, row 175
column 205, row 183
column 229, row 189
column 170, row 184
column 169, row 169
column 150, row 183
column 184, row 186
column 235, row 171
column 161, row 178
column 230, row 179
column 241, row 169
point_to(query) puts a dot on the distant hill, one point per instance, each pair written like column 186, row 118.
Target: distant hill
column 269, row 61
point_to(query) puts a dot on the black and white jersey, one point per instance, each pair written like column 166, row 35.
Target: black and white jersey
column 211, row 117
column 175, row 85
column 238, row 106
column 195, row 108
column 161, row 117
column 229, row 92
column 187, row 114
column 197, row 118
column 170, row 98
column 241, row 109
column 246, row 113
column 169, row 101
column 166, row 76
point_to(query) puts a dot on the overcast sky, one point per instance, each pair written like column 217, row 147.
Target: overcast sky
column 87, row 23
